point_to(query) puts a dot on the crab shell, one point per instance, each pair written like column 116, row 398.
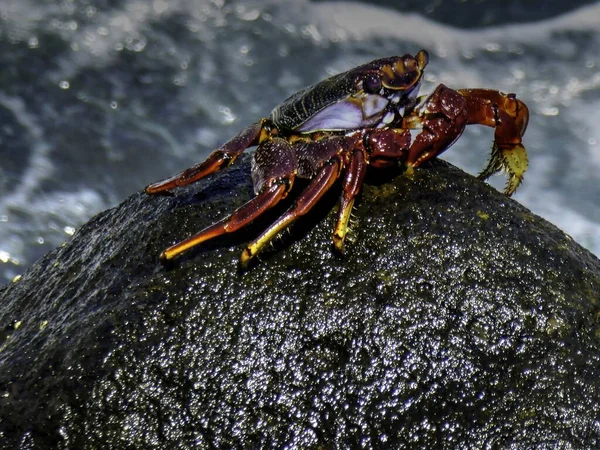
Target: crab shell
column 348, row 101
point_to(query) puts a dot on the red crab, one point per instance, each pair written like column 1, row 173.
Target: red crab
column 337, row 127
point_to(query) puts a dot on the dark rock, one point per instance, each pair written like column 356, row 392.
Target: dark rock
column 458, row 319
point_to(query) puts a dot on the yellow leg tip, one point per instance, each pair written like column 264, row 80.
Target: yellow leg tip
column 171, row 252
column 245, row 258
column 338, row 242
column 341, row 227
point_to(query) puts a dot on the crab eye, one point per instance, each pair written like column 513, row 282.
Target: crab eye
column 372, row 84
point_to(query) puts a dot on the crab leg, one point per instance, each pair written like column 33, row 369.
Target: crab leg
column 272, row 181
column 307, row 199
column 351, row 186
column 378, row 148
column 220, row 158
column 509, row 117
column 240, row 217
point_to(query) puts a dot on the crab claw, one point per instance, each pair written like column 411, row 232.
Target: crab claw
column 511, row 158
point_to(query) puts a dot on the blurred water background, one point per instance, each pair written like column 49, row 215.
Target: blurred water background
column 100, row 97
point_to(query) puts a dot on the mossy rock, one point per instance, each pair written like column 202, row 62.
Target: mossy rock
column 456, row 319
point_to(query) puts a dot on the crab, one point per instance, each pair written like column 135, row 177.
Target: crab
column 336, row 128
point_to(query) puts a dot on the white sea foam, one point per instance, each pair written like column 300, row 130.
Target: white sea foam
column 362, row 21
column 48, row 213
column 563, row 89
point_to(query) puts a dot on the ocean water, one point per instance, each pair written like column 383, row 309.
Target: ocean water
column 100, row 98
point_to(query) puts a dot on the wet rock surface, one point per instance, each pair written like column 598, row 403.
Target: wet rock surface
column 457, row 319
